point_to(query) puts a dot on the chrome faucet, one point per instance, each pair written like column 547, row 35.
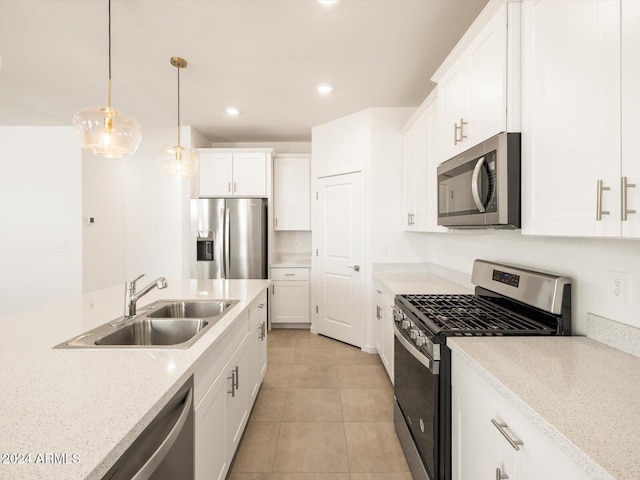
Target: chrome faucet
column 131, row 296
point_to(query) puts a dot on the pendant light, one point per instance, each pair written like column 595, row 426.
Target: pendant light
column 175, row 160
column 105, row 131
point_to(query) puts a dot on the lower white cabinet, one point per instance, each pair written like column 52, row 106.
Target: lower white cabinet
column 492, row 440
column 289, row 295
column 384, row 327
column 226, row 385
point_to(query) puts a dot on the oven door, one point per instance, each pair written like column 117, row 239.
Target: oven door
column 416, row 389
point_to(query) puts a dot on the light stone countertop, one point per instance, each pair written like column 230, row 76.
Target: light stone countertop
column 400, row 283
column 93, row 402
column 583, row 395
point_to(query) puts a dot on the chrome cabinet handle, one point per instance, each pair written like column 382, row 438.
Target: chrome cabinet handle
column 355, row 268
column 275, row 222
column 475, row 189
column 261, row 306
column 408, row 219
column 161, row 452
column 273, row 289
column 378, row 310
column 514, row 442
column 235, row 187
column 462, row 124
column 229, row 187
column 623, row 193
column 233, row 383
column 455, row 133
column 263, row 332
column 460, row 128
column 599, row 211
column 500, row 475
column 237, row 377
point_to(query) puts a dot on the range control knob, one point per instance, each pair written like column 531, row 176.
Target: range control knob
column 420, row 341
column 406, row 324
column 414, row 334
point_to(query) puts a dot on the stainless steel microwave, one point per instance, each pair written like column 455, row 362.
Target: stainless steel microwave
column 481, row 186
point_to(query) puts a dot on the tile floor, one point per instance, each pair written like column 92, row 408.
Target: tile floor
column 325, row 412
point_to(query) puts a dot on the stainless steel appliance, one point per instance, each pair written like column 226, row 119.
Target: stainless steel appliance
column 507, row 300
column 229, row 238
column 165, row 449
column 480, row 187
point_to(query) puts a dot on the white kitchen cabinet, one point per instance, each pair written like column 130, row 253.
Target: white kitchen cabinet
column 291, row 192
column 384, row 327
column 479, row 449
column 290, row 296
column 478, row 85
column 212, row 452
column 225, row 387
column 258, row 342
column 580, row 118
column 421, row 157
column 233, row 174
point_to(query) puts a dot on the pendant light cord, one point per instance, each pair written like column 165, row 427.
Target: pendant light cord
column 109, row 99
column 178, row 106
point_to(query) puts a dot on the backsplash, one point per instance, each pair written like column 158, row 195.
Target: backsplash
column 615, row 334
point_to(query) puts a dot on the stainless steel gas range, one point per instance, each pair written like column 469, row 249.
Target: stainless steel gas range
column 508, row 300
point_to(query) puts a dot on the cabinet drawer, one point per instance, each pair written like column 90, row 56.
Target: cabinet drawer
column 215, row 360
column 290, row 274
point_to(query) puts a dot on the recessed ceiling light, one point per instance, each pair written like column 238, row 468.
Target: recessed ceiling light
column 233, row 111
column 324, row 88
column 327, row 2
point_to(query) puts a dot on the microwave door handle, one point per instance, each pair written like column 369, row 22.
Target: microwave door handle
column 475, row 189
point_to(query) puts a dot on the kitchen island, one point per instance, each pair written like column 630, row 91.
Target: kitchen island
column 70, row 414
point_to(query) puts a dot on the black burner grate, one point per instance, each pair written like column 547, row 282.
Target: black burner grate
column 470, row 315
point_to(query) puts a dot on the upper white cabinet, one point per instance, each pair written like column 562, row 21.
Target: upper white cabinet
column 479, row 83
column 229, row 174
column 291, row 192
column 421, row 157
column 581, row 111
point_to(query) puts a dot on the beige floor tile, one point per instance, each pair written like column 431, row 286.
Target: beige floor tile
column 314, row 356
column 280, row 355
column 348, row 355
column 276, row 376
column 311, row 447
column 248, row 476
column 367, row 404
column 374, row 448
column 277, row 337
column 363, row 376
column 380, row 476
column 315, row 341
column 312, row 405
column 269, row 405
column 313, row 376
column 257, row 450
column 309, row 476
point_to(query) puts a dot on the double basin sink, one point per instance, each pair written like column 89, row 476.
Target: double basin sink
column 161, row 324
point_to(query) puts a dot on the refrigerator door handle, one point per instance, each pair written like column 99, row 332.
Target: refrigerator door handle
column 227, row 258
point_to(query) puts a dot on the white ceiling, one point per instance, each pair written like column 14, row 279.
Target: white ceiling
column 263, row 56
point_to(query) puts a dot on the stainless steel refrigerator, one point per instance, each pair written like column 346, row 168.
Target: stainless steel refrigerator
column 229, row 238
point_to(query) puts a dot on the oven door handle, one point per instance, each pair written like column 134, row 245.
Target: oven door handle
column 433, row 366
column 475, row 188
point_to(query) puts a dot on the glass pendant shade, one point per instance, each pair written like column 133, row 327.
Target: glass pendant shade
column 106, row 132
column 178, row 162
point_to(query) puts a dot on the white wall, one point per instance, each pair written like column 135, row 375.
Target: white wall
column 104, row 251
column 587, row 261
column 40, row 204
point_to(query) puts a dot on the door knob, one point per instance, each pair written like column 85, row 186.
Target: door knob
column 355, row 268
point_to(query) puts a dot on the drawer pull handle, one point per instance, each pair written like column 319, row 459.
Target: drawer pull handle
column 514, row 442
column 500, row 475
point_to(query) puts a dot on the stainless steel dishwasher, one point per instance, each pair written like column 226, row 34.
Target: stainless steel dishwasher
column 165, row 449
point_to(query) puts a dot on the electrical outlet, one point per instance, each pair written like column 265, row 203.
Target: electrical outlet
column 59, row 246
column 618, row 285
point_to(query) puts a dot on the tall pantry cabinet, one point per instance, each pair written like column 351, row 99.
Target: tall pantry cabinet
column 581, row 111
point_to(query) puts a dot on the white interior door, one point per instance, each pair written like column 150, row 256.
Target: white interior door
column 341, row 255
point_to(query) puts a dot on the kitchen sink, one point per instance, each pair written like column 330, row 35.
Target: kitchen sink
column 148, row 331
column 162, row 324
column 190, row 310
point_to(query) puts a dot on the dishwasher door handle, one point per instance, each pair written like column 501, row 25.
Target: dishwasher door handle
column 150, row 465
